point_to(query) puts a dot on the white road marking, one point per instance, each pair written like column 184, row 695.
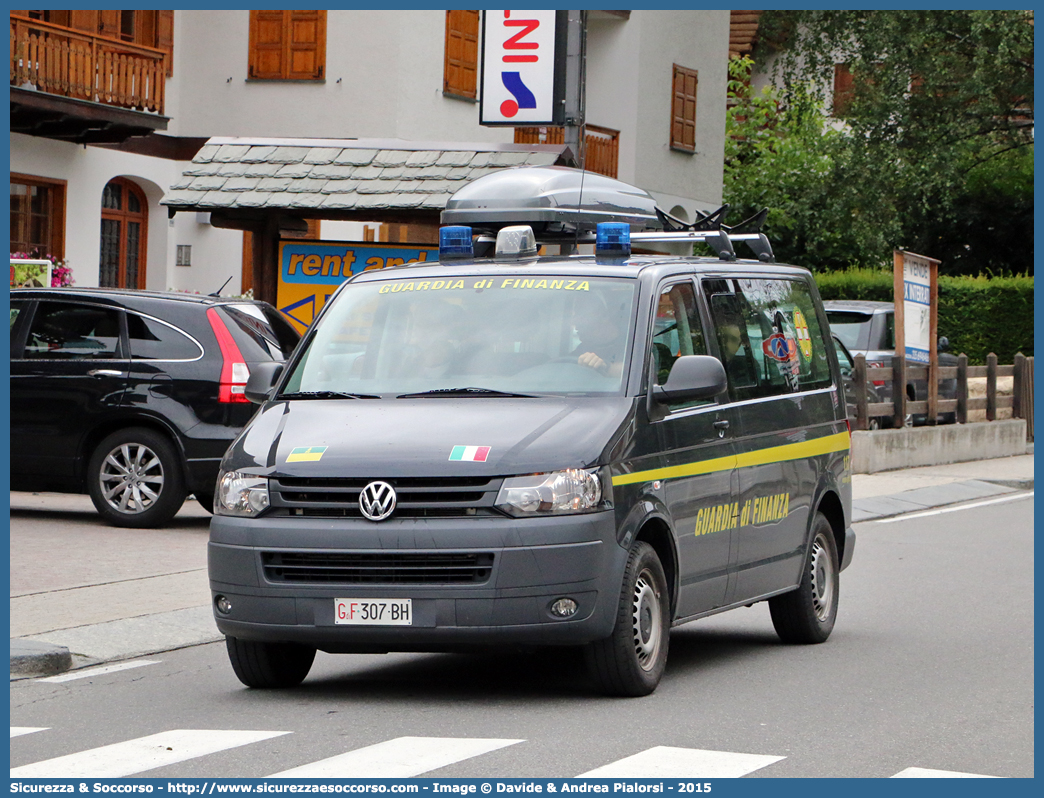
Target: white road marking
column 666, row 762
column 954, row 509
column 86, row 673
column 18, row 731
column 397, row 759
column 926, row 773
column 144, row 753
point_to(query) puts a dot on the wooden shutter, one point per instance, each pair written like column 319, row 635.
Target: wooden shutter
column 109, row 24
column 683, row 109
column 460, row 72
column 306, row 45
column 843, row 89
column 86, row 21
column 288, row 45
column 165, row 37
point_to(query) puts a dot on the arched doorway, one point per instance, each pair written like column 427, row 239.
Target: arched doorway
column 124, row 233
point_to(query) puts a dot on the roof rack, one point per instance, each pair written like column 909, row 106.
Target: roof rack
column 565, row 206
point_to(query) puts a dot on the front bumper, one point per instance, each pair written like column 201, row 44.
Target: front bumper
column 534, row 561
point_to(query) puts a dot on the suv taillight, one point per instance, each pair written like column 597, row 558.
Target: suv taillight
column 877, row 364
column 234, row 371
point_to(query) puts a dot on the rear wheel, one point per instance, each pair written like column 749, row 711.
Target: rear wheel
column 630, row 662
column 269, row 665
column 807, row 615
column 134, row 478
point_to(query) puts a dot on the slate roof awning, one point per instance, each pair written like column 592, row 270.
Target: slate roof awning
column 341, row 178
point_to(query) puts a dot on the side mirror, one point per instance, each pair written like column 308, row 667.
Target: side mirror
column 944, row 343
column 692, row 377
column 262, row 378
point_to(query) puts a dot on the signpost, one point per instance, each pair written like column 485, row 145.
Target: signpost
column 916, row 321
column 310, row 271
column 523, row 77
column 30, row 273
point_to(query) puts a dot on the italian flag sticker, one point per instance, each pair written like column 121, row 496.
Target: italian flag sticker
column 471, row 454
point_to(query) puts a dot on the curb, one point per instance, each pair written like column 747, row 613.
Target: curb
column 910, row 501
column 33, row 658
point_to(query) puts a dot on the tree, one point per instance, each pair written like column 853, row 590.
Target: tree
column 781, row 156
column 939, row 126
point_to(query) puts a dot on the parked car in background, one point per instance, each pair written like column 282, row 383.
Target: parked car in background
column 133, row 396
column 868, row 328
column 847, row 364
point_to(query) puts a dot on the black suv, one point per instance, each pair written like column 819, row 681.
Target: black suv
column 132, row 396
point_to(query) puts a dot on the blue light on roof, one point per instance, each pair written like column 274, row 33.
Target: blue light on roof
column 613, row 240
column 455, row 242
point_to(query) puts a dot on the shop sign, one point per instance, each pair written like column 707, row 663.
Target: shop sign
column 521, row 51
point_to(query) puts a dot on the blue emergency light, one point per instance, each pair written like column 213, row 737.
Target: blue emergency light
column 613, row 240
column 455, row 243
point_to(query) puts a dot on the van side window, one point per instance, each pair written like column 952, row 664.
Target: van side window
column 677, row 331
column 769, row 337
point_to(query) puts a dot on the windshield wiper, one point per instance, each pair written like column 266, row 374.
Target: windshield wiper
column 464, row 392
column 325, row 395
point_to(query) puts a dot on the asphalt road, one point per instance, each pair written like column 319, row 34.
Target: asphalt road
column 930, row 666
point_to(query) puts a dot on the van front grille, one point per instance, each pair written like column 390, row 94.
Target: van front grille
column 452, row 497
column 344, row 568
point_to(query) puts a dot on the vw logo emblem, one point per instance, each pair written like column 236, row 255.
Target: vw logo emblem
column 377, row 501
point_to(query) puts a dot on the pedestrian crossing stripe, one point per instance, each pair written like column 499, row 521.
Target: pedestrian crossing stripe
column 926, row 773
column 397, row 759
column 141, row 754
column 87, row 673
column 18, row 731
column 402, row 757
column 667, row 762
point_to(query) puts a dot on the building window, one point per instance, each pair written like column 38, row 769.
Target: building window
column 683, row 109
column 38, row 216
column 460, row 73
column 601, row 145
column 844, row 89
column 124, row 233
column 287, row 45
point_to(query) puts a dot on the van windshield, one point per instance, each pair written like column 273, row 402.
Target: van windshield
column 530, row 335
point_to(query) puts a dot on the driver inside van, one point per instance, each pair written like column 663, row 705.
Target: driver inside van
column 601, row 337
column 431, row 343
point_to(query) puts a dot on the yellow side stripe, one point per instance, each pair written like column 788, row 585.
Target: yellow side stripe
column 826, row 444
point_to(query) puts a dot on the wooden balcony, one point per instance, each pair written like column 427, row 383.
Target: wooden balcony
column 602, row 145
column 49, row 62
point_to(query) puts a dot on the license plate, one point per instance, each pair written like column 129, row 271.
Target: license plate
column 373, row 612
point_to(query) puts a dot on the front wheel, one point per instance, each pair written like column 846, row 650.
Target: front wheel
column 807, row 615
column 269, row 665
column 134, row 478
column 631, row 660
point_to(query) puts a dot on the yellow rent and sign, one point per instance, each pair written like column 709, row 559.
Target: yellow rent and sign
column 310, row 271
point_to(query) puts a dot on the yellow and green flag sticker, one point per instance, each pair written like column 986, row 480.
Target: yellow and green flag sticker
column 304, row 454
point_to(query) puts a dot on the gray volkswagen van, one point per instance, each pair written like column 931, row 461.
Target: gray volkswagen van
column 507, row 448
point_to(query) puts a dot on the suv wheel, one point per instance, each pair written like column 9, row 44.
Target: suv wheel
column 134, row 479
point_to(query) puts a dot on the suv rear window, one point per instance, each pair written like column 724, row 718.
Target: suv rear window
column 265, row 328
column 853, row 328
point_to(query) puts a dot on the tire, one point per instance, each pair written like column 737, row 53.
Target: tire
column 807, row 615
column 206, row 500
column 134, row 478
column 269, row 665
column 631, row 660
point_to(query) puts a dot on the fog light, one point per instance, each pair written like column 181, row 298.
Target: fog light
column 563, row 608
column 224, row 606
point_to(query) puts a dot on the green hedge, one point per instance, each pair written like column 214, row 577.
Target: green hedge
column 978, row 314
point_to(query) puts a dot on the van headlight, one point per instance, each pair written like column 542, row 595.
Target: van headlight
column 241, row 494
column 575, row 490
